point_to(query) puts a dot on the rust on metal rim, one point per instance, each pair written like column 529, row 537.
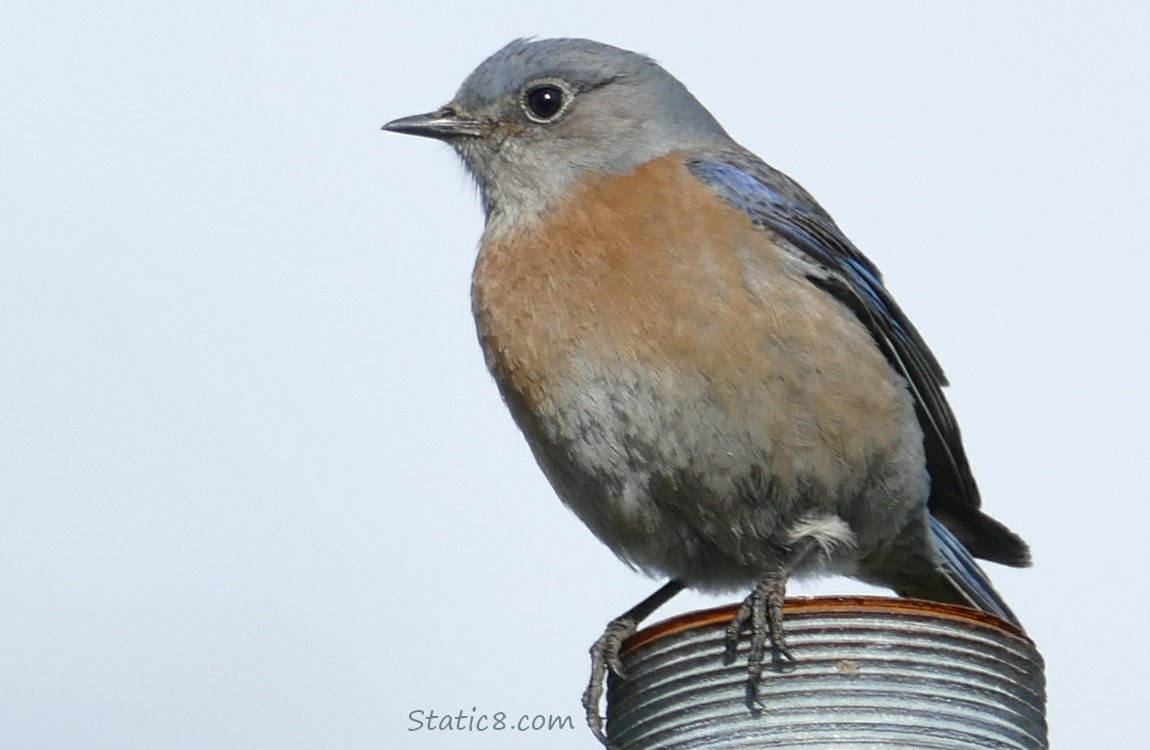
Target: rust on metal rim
column 823, row 605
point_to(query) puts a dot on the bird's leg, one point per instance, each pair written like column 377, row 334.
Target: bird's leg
column 763, row 611
column 605, row 651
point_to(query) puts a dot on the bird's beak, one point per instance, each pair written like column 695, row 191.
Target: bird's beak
column 444, row 124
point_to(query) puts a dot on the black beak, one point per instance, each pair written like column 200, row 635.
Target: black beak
column 444, row 125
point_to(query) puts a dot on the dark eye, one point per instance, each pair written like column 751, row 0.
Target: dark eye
column 544, row 102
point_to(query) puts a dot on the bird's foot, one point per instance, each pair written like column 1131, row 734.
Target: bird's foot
column 605, row 656
column 605, row 652
column 762, row 610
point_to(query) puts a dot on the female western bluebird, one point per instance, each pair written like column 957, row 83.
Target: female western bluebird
column 713, row 378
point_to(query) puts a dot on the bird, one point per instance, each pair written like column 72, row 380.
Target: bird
column 711, row 376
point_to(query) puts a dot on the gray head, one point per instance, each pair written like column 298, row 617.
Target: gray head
column 536, row 115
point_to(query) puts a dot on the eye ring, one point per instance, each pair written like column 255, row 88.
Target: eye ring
column 546, row 100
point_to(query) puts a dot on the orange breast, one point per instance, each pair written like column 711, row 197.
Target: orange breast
column 651, row 272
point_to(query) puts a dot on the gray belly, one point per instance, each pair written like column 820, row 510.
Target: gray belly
column 683, row 477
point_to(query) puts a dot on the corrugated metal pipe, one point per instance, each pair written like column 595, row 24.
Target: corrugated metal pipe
column 870, row 672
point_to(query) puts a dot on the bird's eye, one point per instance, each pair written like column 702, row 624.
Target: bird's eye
column 545, row 101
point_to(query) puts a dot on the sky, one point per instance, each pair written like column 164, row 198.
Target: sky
column 257, row 489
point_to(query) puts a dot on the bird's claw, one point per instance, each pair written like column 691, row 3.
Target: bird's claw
column 763, row 611
column 604, row 657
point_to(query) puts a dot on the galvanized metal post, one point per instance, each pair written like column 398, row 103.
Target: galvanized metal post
column 870, row 672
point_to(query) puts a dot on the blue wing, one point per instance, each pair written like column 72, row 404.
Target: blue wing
column 777, row 204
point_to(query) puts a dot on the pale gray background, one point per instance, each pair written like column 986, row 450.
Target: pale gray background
column 257, row 490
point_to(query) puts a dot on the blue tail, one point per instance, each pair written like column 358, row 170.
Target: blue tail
column 964, row 575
